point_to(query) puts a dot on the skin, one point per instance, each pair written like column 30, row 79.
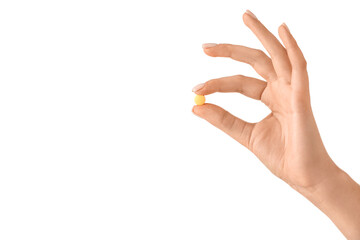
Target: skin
column 287, row 141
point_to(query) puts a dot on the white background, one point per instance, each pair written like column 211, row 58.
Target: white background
column 97, row 138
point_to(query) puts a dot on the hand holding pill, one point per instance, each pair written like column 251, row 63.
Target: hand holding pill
column 287, row 141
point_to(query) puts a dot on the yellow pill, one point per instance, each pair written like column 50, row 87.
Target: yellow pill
column 199, row 99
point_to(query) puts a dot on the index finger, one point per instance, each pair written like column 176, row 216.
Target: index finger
column 261, row 63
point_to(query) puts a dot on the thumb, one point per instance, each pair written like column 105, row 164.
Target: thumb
column 225, row 121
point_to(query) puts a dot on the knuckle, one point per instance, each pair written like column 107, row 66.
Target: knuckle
column 226, row 46
column 240, row 85
column 239, row 76
column 303, row 63
column 258, row 57
column 279, row 53
column 300, row 63
column 227, row 121
column 228, row 50
column 259, row 54
column 212, row 85
column 212, row 82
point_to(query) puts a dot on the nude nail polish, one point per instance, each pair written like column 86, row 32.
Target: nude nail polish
column 209, row 45
column 198, row 87
column 251, row 14
column 286, row 27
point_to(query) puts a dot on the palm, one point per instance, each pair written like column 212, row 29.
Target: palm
column 268, row 137
column 267, row 144
column 278, row 138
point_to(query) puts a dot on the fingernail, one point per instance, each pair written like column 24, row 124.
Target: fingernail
column 198, row 87
column 286, row 27
column 251, row 14
column 209, row 45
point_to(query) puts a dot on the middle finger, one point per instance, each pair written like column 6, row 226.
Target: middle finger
column 277, row 52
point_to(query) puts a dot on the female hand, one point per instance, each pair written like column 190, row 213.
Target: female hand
column 287, row 141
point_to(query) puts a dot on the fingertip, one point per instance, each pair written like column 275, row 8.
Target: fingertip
column 251, row 14
column 209, row 52
column 284, row 35
column 198, row 87
column 203, row 91
column 283, row 28
column 248, row 16
column 244, row 17
column 208, row 45
column 195, row 109
column 200, row 110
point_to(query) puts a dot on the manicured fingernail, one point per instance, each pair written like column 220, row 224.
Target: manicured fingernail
column 251, row 14
column 198, row 87
column 286, row 27
column 209, row 45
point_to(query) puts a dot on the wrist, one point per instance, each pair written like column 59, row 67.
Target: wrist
column 328, row 185
column 338, row 196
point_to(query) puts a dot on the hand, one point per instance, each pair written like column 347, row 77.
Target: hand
column 287, row 141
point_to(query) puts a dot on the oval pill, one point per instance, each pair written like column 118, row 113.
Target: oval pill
column 199, row 99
